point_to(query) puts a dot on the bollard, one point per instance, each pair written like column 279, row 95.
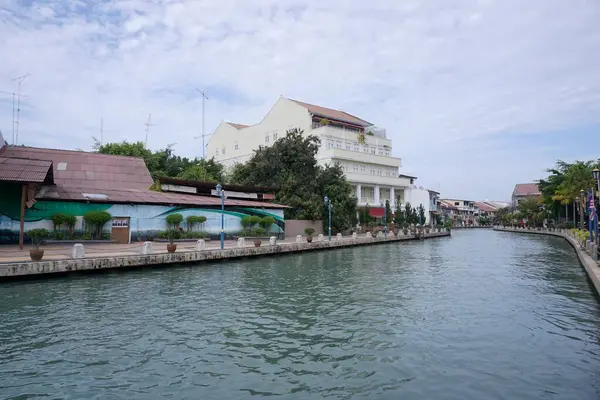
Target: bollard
column 391, row 235
column 339, row 236
column 78, row 251
column 380, row 235
column 273, row 240
column 241, row 242
column 200, row 245
column 320, row 237
column 368, row 235
column 354, row 235
column 299, row 239
column 147, row 248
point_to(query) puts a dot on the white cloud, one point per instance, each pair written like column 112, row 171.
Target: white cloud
column 440, row 76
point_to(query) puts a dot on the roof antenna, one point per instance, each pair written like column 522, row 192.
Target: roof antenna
column 202, row 135
column 19, row 80
column 148, row 125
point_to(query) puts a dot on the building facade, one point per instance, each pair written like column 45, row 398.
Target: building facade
column 524, row 191
column 463, row 211
column 362, row 150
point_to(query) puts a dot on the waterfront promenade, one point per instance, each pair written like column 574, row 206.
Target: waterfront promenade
column 100, row 257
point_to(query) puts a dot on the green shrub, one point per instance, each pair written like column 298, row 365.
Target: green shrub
column 86, row 236
column 59, row 219
column 97, row 219
column 194, row 220
column 246, row 222
column 36, row 236
column 174, row 219
column 309, row 231
column 173, row 234
column 254, row 219
column 59, row 236
column 266, row 222
column 106, row 236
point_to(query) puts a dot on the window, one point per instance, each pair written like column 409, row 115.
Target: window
column 367, row 194
column 372, row 150
column 456, row 203
column 223, row 151
column 267, row 138
column 275, row 136
column 329, row 144
column 348, row 146
column 363, row 168
column 355, row 167
column 379, row 172
column 372, row 171
column 338, row 144
column 235, row 146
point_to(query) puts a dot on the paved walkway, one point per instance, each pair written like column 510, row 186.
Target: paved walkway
column 11, row 253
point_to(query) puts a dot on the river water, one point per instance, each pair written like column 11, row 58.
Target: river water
column 483, row 315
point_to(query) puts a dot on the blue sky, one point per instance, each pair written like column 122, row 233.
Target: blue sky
column 477, row 95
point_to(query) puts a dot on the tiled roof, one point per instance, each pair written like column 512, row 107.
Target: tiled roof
column 332, row 114
column 526, row 189
column 485, row 207
column 238, row 126
column 89, row 170
column 446, row 204
column 143, row 197
column 25, row 170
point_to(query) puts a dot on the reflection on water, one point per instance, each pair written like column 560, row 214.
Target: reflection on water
column 484, row 315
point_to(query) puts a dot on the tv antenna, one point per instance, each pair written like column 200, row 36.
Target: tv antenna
column 148, row 125
column 202, row 135
column 19, row 81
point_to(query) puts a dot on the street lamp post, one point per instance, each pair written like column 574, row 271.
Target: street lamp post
column 582, row 209
column 328, row 205
column 221, row 194
column 596, row 176
column 384, row 220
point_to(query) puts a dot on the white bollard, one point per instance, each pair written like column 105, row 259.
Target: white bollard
column 380, row 235
column 354, row 235
column 200, row 245
column 241, row 242
column 320, row 238
column 391, row 235
column 273, row 240
column 368, row 235
column 339, row 236
column 299, row 239
column 78, row 251
column 147, row 248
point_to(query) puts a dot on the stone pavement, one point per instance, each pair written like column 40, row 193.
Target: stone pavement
column 11, row 253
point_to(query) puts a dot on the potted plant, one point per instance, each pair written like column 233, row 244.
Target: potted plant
column 36, row 236
column 427, row 229
column 309, row 232
column 405, row 229
column 172, row 235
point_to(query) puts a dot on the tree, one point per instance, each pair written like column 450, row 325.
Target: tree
column 421, row 211
column 388, row 211
column 196, row 173
column 290, row 166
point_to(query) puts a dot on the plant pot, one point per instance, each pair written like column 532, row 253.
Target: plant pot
column 405, row 231
column 36, row 254
column 257, row 243
column 309, row 239
column 426, row 230
column 171, row 247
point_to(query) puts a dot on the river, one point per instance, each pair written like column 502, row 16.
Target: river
column 483, row 315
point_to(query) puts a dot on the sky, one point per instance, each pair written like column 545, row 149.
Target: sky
column 477, row 95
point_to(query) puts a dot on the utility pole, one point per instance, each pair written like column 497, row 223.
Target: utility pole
column 202, row 134
column 148, row 125
column 19, row 81
column 101, row 131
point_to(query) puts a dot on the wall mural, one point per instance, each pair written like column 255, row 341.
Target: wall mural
column 144, row 219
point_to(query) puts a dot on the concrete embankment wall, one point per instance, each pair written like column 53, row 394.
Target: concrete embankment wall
column 295, row 227
column 30, row 268
column 589, row 264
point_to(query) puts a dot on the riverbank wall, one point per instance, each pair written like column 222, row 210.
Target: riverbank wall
column 18, row 270
column 587, row 253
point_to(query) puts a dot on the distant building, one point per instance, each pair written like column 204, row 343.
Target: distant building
column 524, row 191
column 485, row 209
column 463, row 211
column 362, row 150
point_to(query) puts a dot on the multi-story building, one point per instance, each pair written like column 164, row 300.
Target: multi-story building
column 464, row 211
column 524, row 191
column 362, row 150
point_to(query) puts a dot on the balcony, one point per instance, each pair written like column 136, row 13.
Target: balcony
column 378, row 138
column 349, row 155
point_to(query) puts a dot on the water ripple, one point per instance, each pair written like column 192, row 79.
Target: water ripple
column 485, row 315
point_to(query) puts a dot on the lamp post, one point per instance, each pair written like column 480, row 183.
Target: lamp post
column 596, row 176
column 582, row 209
column 221, row 194
column 328, row 205
column 384, row 220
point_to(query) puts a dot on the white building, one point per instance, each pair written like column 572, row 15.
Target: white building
column 363, row 150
